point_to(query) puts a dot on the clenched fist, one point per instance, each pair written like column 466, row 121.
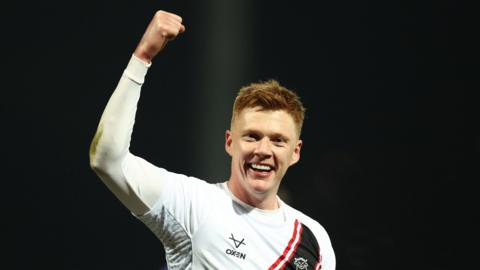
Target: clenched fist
column 164, row 27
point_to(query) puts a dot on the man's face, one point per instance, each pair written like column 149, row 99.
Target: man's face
column 262, row 144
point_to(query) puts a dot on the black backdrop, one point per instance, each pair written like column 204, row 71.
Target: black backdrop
column 390, row 154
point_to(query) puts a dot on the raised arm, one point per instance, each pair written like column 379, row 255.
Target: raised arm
column 110, row 157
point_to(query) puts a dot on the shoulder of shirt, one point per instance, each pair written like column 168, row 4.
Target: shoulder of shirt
column 311, row 223
column 189, row 180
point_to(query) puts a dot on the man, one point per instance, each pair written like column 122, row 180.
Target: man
column 238, row 224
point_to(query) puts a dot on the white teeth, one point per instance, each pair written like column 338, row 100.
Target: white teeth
column 261, row 167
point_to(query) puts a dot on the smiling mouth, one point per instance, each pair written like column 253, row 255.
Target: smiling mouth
column 260, row 167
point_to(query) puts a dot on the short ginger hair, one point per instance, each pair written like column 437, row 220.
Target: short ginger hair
column 270, row 96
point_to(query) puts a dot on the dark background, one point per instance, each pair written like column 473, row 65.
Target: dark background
column 391, row 144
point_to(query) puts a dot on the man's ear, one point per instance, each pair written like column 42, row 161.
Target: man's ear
column 296, row 152
column 228, row 142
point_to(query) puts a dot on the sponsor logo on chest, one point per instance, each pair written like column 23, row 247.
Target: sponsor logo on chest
column 233, row 251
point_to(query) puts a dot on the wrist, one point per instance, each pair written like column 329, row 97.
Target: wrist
column 143, row 55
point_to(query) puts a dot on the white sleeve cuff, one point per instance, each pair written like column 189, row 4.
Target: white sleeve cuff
column 136, row 69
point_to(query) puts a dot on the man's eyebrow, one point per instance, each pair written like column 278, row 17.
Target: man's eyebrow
column 250, row 130
column 270, row 135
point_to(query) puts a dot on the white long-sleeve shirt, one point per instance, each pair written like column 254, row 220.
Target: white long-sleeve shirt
column 201, row 225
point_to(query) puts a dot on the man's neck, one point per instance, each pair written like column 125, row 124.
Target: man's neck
column 260, row 201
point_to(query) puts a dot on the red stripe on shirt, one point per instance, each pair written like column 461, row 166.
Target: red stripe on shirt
column 318, row 266
column 289, row 251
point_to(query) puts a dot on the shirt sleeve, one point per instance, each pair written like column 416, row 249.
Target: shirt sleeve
column 328, row 259
column 182, row 207
column 326, row 251
column 126, row 175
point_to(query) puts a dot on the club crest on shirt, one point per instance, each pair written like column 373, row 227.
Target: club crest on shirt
column 300, row 263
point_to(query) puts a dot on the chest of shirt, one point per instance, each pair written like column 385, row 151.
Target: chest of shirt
column 252, row 239
column 239, row 240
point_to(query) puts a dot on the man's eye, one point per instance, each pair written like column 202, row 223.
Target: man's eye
column 278, row 140
column 250, row 137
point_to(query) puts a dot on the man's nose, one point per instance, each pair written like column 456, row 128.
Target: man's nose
column 264, row 147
